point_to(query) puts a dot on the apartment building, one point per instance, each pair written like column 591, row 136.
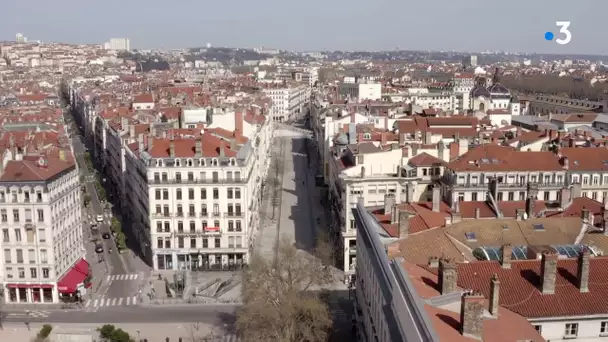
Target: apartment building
column 396, row 300
column 288, row 103
column 589, row 168
column 361, row 91
column 201, row 194
column 42, row 242
column 501, row 173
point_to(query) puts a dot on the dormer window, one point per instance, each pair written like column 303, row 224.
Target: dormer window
column 214, row 162
column 177, row 162
column 201, row 162
column 232, row 161
column 189, row 162
column 159, row 162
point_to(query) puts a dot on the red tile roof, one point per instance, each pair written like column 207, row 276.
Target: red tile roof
column 519, row 287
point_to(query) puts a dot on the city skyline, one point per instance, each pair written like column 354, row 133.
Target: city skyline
column 474, row 26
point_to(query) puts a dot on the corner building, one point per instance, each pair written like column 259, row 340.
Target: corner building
column 203, row 194
column 42, row 247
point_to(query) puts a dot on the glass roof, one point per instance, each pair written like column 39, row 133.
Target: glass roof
column 494, row 253
column 569, row 251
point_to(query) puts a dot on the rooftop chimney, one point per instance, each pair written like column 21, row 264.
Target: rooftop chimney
column 505, row 259
column 394, row 214
column 564, row 197
column 448, row 277
column 150, row 142
column 565, row 163
column 172, row 148
column 494, row 295
column 530, row 206
column 404, row 223
column 471, row 315
column 389, row 201
column 436, row 199
column 222, row 148
column 582, row 274
column 198, row 148
column 140, row 142
column 433, row 261
column 548, row 271
column 477, row 213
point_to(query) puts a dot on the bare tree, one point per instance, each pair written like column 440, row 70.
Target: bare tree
column 282, row 300
column 198, row 333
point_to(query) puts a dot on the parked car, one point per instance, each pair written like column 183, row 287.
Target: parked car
column 99, row 218
column 99, row 248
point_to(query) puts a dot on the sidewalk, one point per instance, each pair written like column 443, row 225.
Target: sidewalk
column 157, row 332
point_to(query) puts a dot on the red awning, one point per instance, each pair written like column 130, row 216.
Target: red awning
column 35, row 286
column 76, row 275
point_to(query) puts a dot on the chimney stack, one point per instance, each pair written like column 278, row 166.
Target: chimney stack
column 389, row 202
column 436, row 199
column 494, row 295
column 565, row 163
column 448, row 277
column 505, row 259
column 548, row 271
column 172, row 148
column 222, row 148
column 582, row 275
column 395, row 214
column 477, row 213
column 471, row 315
column 140, row 142
column 198, row 148
column 404, row 223
column 564, row 197
column 530, row 206
column 433, row 261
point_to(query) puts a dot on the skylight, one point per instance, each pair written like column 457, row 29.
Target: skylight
column 539, row 226
column 470, row 236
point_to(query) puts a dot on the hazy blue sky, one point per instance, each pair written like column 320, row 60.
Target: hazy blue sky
column 464, row 25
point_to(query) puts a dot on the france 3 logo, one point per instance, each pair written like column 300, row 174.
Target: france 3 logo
column 566, row 35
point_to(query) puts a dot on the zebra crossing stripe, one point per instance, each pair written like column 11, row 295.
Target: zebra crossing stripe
column 113, row 301
column 119, row 301
column 128, row 300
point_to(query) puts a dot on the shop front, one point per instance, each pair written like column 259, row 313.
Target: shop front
column 199, row 260
column 30, row 293
column 75, row 281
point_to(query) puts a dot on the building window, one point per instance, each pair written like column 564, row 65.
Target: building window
column 159, row 227
column 40, row 215
column 218, row 243
column 461, row 197
column 21, row 272
column 237, row 193
column 157, row 194
column 203, row 193
column 216, row 193
column 192, row 242
column 604, row 328
column 191, row 194
column 159, row 242
column 178, row 194
column 230, row 193
column 571, row 330
column 45, row 272
column 165, row 194
column 33, row 273
column 15, row 215
column 238, row 226
column 205, row 243
column 546, row 195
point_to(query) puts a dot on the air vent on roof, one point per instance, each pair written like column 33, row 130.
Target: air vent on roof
column 505, row 227
column 470, row 236
column 605, row 162
column 539, row 227
column 485, row 161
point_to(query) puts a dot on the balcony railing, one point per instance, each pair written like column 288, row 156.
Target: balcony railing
column 197, row 181
column 510, row 185
column 234, row 214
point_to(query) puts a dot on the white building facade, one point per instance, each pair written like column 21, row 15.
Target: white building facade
column 42, row 239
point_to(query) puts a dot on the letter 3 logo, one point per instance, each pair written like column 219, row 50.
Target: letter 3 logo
column 563, row 29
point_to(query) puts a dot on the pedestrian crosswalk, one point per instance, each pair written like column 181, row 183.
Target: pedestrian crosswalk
column 92, row 219
column 108, row 302
column 114, row 277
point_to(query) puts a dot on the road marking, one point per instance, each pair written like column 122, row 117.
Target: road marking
column 134, row 300
column 87, row 304
column 128, row 300
column 119, row 301
column 95, row 303
column 108, row 278
column 133, row 276
column 113, row 301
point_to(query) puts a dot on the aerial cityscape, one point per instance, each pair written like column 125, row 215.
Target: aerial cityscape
column 219, row 193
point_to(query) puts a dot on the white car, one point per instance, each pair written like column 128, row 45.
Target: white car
column 99, row 218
